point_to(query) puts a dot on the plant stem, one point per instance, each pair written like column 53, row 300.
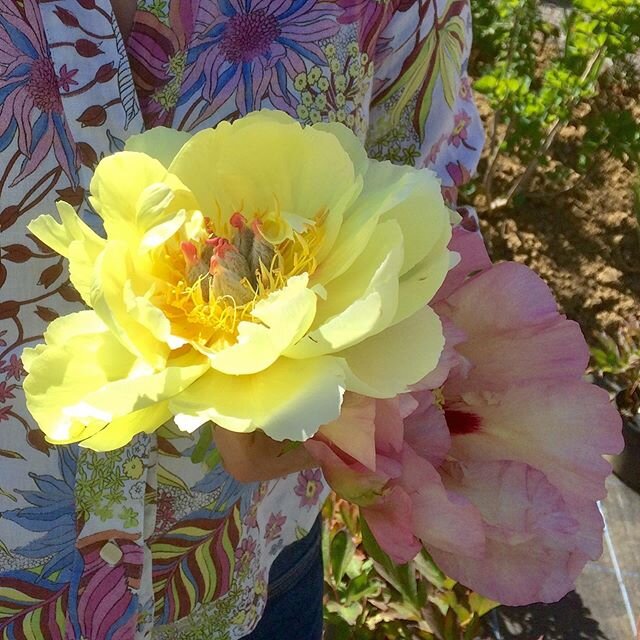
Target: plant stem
column 523, row 180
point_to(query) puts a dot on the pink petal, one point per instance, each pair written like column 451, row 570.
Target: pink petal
column 425, row 430
column 389, row 427
column 390, row 522
column 441, row 519
column 560, row 428
column 450, row 357
column 346, row 476
column 532, row 552
column 473, row 258
column 354, row 431
column 510, row 316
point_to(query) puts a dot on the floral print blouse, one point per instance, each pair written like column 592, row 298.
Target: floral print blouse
column 143, row 542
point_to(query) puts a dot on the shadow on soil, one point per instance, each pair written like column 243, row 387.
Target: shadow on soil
column 568, row 619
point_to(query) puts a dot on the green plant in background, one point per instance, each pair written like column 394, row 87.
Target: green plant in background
column 616, row 362
column 538, row 77
column 368, row 598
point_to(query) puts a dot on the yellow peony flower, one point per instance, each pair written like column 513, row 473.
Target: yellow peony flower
column 251, row 274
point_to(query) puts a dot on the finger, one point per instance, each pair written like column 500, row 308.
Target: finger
column 253, row 457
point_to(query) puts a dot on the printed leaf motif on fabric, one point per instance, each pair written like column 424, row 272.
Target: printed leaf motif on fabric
column 33, row 608
column 194, row 562
column 438, row 56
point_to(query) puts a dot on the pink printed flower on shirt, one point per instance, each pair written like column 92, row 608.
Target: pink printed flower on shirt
column 246, row 551
column 274, row 526
column 309, row 487
column 6, row 391
column 460, row 131
column 66, row 77
column 254, row 48
column 30, row 104
column 13, row 369
column 251, row 519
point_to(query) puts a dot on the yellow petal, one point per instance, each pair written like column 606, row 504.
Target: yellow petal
column 284, row 317
column 113, row 298
column 252, row 160
column 422, row 214
column 289, row 400
column 121, row 431
column 83, row 379
column 420, row 284
column 160, row 143
column 362, row 301
column 388, row 363
column 386, row 187
column 120, row 187
column 74, row 240
column 80, row 355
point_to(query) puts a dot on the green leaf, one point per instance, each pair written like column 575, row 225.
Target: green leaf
column 481, row 605
column 342, row 551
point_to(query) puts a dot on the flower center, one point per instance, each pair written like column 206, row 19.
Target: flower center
column 310, row 490
column 461, row 422
column 249, row 35
column 43, row 86
column 217, row 278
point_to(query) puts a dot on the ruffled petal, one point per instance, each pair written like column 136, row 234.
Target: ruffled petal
column 283, row 318
column 531, row 553
column 359, row 303
column 74, row 240
column 442, row 519
column 354, row 432
column 387, row 364
column 509, row 315
column 562, row 429
column 289, row 400
column 390, row 522
column 259, row 163
column 160, row 143
column 82, row 379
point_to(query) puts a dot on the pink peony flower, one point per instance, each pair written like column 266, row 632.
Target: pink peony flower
column 527, row 436
column 496, row 473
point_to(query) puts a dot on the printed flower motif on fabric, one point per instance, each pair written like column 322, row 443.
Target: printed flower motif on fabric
column 30, row 105
column 254, row 49
column 371, row 16
column 309, row 487
column 336, row 94
column 103, row 485
column 437, row 56
column 158, row 51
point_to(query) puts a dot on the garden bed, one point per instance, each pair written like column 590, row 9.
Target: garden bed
column 585, row 243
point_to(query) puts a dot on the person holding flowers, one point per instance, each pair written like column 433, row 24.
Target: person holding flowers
column 256, row 269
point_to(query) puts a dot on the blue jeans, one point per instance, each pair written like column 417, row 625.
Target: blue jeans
column 294, row 602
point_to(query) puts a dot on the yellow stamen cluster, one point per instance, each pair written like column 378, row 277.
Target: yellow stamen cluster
column 200, row 315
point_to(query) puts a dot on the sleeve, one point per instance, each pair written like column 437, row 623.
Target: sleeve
column 422, row 109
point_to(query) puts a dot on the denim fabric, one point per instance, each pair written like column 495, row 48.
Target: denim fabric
column 294, row 604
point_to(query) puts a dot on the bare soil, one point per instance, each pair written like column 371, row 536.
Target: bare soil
column 585, row 243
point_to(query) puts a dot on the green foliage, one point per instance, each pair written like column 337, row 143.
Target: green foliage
column 616, row 360
column 367, row 597
column 539, row 77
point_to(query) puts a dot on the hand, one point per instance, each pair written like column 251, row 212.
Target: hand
column 254, row 457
